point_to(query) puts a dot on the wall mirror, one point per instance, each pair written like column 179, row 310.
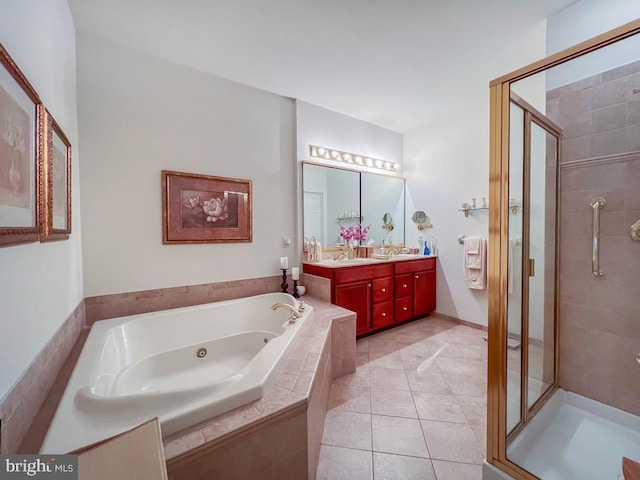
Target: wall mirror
column 333, row 197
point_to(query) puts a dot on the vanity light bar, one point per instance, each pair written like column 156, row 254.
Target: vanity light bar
column 353, row 158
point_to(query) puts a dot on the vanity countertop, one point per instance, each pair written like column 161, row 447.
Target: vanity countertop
column 401, row 257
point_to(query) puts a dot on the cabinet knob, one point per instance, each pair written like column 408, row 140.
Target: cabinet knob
column 384, row 314
column 369, row 285
column 416, row 276
column 404, row 308
column 404, row 285
column 384, row 290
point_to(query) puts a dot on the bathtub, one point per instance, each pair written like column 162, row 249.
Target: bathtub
column 184, row 365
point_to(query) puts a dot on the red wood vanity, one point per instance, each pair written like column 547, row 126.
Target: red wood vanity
column 383, row 293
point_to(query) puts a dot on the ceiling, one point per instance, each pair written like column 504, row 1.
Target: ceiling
column 392, row 63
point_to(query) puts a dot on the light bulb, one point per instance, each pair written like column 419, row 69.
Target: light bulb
column 335, row 154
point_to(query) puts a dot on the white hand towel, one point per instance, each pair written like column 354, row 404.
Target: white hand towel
column 475, row 264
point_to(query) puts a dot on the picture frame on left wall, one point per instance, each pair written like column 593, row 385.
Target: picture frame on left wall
column 56, row 183
column 21, row 149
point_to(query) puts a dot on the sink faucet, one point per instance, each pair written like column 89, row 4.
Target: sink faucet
column 294, row 314
column 340, row 256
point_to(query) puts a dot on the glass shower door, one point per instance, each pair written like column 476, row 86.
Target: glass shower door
column 532, row 284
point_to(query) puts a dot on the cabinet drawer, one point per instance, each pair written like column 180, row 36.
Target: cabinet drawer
column 366, row 272
column 404, row 309
column 410, row 266
column 382, row 289
column 404, row 285
column 382, row 314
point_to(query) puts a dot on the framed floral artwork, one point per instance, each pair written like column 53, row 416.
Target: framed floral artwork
column 205, row 209
column 56, row 183
column 21, row 145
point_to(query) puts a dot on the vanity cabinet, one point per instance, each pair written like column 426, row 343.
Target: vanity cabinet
column 382, row 294
column 416, row 284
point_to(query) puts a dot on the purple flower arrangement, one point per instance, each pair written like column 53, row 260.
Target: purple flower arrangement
column 354, row 232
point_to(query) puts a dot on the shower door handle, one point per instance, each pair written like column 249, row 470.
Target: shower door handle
column 596, row 204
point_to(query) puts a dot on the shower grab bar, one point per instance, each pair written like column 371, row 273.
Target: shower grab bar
column 597, row 203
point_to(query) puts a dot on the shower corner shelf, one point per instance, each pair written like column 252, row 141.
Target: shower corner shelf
column 514, row 209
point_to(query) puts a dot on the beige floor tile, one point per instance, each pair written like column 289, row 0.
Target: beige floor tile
column 360, row 377
column 455, row 442
column 386, row 360
column 400, row 467
column 402, row 436
column 481, row 433
column 461, row 366
column 457, row 471
column 344, row 464
column 389, row 378
column 436, row 406
column 352, row 398
column 472, row 385
column 396, row 403
column 428, row 382
column 419, row 362
column 475, row 409
column 347, row 429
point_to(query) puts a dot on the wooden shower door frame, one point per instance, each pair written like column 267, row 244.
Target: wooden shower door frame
column 500, row 97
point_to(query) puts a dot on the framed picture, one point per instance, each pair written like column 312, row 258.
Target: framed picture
column 205, row 209
column 21, row 145
column 56, row 183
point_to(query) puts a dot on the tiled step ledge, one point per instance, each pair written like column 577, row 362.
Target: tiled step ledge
column 278, row 435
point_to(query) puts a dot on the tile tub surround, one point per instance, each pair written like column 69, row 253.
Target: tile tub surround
column 599, row 330
column 22, row 403
column 131, row 303
column 414, row 409
column 294, row 405
column 281, row 432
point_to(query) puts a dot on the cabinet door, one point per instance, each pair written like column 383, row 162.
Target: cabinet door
column 424, row 292
column 357, row 298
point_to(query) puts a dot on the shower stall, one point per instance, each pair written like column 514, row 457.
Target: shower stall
column 564, row 281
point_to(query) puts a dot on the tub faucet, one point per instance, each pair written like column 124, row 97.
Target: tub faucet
column 294, row 314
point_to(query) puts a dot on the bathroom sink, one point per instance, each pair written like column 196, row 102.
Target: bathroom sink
column 346, row 262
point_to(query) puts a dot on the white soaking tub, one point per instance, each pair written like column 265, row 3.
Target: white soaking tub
column 183, row 365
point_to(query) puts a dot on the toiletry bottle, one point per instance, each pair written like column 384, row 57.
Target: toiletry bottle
column 420, row 244
column 426, row 248
column 318, row 251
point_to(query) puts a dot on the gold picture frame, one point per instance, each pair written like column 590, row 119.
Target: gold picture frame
column 56, row 183
column 21, row 149
column 205, row 209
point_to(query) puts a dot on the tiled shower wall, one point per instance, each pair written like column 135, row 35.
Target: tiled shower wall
column 599, row 317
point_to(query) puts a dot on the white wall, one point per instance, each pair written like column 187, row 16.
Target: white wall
column 140, row 115
column 447, row 163
column 40, row 284
column 326, row 128
column 582, row 21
